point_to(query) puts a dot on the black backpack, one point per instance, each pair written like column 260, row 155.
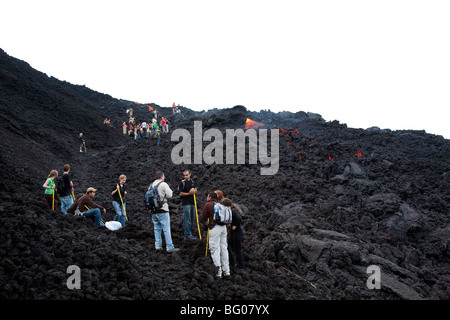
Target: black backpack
column 60, row 185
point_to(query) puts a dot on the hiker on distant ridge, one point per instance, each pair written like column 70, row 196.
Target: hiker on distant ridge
column 165, row 125
column 131, row 132
column 89, row 208
column 50, row 190
column 118, row 194
column 144, row 129
column 66, row 194
column 161, row 218
column 217, row 238
column 187, row 189
column 158, row 136
column 154, row 126
column 82, row 142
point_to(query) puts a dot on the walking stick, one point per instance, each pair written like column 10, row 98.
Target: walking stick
column 53, row 201
column 73, row 196
column 125, row 211
column 90, row 209
column 196, row 214
column 207, row 240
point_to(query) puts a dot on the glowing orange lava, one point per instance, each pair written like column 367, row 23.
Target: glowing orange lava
column 250, row 124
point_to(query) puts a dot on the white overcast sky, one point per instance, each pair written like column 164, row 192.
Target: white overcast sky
column 363, row 63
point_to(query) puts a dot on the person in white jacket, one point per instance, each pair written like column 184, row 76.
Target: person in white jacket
column 161, row 218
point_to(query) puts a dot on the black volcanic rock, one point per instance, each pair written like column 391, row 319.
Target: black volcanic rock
column 343, row 199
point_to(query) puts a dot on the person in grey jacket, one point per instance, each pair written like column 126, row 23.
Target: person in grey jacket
column 161, row 217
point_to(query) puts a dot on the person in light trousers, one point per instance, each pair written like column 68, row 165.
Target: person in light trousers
column 161, row 218
column 218, row 244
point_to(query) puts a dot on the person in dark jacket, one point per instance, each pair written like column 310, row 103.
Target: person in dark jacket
column 66, row 195
column 88, row 207
column 187, row 189
column 236, row 235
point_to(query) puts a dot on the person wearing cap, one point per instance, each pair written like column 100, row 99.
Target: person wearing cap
column 88, row 207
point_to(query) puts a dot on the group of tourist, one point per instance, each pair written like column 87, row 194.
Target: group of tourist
column 224, row 241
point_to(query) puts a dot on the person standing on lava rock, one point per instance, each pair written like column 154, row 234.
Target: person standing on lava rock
column 187, row 191
column 236, row 235
column 118, row 195
column 89, row 208
column 82, row 142
column 66, row 195
column 217, row 238
column 161, row 217
column 50, row 190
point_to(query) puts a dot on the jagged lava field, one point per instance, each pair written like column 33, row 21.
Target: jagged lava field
column 341, row 200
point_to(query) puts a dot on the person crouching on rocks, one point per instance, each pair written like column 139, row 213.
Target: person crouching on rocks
column 118, row 195
column 89, row 208
column 217, row 238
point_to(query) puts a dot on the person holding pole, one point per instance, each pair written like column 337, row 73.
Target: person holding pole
column 50, row 187
column 118, row 194
column 88, row 208
column 187, row 190
column 217, row 238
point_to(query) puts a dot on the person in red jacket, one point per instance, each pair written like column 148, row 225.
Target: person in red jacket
column 218, row 244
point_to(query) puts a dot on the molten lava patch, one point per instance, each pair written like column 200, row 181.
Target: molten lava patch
column 250, row 124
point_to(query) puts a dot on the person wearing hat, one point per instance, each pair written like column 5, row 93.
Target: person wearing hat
column 88, row 207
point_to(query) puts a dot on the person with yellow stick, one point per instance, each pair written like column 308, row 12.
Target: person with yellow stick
column 118, row 194
column 50, row 187
column 217, row 237
column 187, row 190
column 88, row 208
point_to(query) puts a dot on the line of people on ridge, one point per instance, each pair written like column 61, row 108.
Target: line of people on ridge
column 222, row 249
column 137, row 130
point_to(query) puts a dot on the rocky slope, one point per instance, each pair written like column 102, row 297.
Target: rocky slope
column 342, row 200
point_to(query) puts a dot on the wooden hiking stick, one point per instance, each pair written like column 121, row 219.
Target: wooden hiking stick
column 207, row 240
column 90, row 209
column 125, row 211
column 196, row 214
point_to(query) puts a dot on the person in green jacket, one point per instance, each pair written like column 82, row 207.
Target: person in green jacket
column 50, row 192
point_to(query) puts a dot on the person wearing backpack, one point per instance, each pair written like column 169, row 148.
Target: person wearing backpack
column 160, row 216
column 217, row 236
column 50, row 190
column 187, row 189
column 66, row 190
